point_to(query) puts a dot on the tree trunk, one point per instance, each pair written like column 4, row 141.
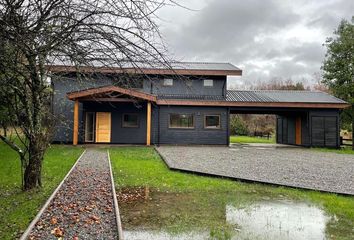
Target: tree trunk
column 32, row 175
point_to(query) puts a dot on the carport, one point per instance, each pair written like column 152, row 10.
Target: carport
column 304, row 118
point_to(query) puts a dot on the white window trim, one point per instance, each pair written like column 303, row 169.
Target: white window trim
column 167, row 82
column 210, row 81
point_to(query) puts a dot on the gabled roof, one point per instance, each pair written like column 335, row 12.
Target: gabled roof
column 94, row 92
column 171, row 68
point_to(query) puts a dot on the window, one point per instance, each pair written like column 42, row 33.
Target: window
column 212, row 121
column 168, row 82
column 130, row 120
column 208, row 82
column 89, row 127
column 189, row 83
column 181, row 120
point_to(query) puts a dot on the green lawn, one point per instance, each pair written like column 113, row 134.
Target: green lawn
column 19, row 208
column 343, row 150
column 247, row 139
column 194, row 200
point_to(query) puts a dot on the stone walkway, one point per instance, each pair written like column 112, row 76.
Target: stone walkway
column 83, row 208
column 294, row 167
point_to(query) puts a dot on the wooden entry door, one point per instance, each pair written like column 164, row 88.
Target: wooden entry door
column 103, row 127
column 298, row 131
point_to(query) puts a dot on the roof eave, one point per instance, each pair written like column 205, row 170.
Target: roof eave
column 254, row 104
column 147, row 71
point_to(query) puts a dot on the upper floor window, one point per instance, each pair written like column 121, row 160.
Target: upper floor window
column 130, row 120
column 189, row 83
column 168, row 82
column 181, row 120
column 208, row 83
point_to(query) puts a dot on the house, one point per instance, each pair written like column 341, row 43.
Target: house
column 186, row 103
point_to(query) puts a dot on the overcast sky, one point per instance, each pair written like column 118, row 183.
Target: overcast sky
column 265, row 38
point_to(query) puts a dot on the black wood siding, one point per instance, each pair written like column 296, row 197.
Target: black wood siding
column 120, row 134
column 180, row 87
column 198, row 135
column 319, row 128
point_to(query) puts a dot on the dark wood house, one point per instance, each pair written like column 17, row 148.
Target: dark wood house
column 186, row 104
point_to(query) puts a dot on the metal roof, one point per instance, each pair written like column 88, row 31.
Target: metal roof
column 202, row 66
column 191, row 97
column 281, row 96
column 192, row 68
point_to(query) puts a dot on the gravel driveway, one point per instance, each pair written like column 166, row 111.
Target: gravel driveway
column 295, row 167
column 83, row 207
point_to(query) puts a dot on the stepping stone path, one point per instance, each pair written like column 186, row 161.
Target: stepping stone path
column 83, row 208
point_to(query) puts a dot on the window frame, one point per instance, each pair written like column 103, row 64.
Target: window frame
column 212, row 115
column 94, row 127
column 167, row 85
column 135, row 126
column 171, row 127
column 212, row 83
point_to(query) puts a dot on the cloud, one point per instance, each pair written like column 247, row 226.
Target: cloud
column 266, row 38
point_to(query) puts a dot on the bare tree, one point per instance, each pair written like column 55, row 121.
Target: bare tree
column 36, row 34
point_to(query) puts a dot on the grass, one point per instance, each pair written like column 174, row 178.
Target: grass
column 18, row 208
column 142, row 166
column 343, row 150
column 247, row 139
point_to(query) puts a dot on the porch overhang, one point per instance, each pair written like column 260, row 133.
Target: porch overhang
column 109, row 93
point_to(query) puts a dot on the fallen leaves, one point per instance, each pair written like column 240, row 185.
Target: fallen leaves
column 58, row 232
column 53, row 221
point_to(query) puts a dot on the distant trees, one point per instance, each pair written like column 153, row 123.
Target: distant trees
column 338, row 68
column 278, row 84
column 252, row 124
column 37, row 33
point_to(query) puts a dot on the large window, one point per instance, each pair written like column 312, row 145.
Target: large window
column 168, row 82
column 130, row 120
column 208, row 83
column 181, row 120
column 212, row 121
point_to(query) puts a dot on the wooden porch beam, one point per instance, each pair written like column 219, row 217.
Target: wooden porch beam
column 148, row 124
column 76, row 122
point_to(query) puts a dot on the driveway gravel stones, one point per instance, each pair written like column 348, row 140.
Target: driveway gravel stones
column 83, row 207
column 294, row 167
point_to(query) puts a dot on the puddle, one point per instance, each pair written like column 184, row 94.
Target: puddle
column 149, row 214
column 278, row 220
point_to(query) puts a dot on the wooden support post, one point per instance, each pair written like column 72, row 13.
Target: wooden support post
column 76, row 123
column 148, row 124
